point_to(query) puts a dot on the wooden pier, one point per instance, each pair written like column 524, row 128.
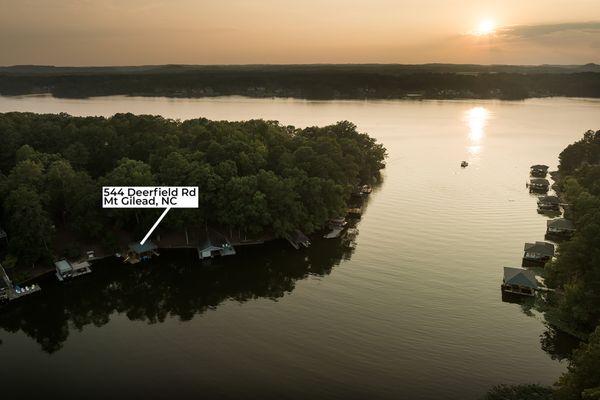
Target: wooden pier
column 9, row 292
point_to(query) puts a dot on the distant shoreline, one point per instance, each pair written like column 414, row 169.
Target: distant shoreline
column 311, row 82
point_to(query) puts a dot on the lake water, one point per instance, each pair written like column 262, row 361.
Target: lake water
column 414, row 311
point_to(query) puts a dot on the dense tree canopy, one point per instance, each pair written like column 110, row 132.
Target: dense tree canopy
column 575, row 274
column 576, row 271
column 254, row 176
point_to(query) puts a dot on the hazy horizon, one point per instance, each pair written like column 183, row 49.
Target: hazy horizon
column 237, row 32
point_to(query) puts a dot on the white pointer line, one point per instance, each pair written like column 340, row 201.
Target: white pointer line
column 155, row 225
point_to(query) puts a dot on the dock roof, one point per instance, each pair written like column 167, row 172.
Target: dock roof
column 549, row 200
column 561, row 223
column 520, row 277
column 540, row 166
column 544, row 248
column 63, row 266
column 540, row 181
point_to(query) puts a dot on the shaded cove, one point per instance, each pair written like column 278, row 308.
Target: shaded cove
column 174, row 285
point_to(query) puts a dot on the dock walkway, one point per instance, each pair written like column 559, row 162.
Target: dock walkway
column 16, row 292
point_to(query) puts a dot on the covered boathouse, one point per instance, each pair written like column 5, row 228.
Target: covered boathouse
column 66, row 270
column 215, row 245
column 537, row 253
column 548, row 203
column 141, row 252
column 539, row 185
column 519, row 281
column 560, row 228
column 539, row 170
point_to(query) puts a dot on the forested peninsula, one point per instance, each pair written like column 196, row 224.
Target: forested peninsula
column 254, row 177
column 347, row 81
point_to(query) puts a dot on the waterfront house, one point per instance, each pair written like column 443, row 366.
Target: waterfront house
column 519, row 281
column 539, row 185
column 66, row 270
column 215, row 245
column 365, row 190
column 141, row 252
column 548, row 203
column 537, row 253
column 560, row 228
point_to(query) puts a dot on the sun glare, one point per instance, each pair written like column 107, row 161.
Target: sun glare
column 485, row 27
column 477, row 118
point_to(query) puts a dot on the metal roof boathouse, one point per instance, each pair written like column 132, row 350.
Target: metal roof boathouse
column 66, row 270
column 537, row 253
column 519, row 281
column 539, row 185
column 548, row 203
column 215, row 245
column 539, row 170
column 560, row 228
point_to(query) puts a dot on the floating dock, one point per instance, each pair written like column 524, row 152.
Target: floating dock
column 9, row 292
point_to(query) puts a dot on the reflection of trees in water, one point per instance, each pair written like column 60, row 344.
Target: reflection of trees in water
column 174, row 284
column 558, row 344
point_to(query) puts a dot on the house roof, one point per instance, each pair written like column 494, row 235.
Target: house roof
column 549, row 200
column 539, row 166
column 143, row 248
column 63, row 266
column 540, row 181
column 544, row 248
column 520, row 276
column 561, row 223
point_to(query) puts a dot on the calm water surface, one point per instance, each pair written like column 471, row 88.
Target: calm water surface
column 413, row 312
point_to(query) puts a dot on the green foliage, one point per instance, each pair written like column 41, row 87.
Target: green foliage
column 253, row 177
column 582, row 380
column 28, row 224
column 575, row 274
column 519, row 392
column 576, row 271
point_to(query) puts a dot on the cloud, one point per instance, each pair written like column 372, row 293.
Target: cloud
column 535, row 31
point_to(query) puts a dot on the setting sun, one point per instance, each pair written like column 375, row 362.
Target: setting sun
column 485, row 27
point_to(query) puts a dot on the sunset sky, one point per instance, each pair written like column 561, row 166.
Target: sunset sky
column 134, row 32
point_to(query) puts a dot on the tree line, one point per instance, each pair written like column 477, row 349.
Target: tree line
column 254, row 176
column 308, row 81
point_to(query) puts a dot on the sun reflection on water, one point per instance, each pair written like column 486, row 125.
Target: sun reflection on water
column 477, row 118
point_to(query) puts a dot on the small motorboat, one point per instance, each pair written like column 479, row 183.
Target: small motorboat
column 464, row 164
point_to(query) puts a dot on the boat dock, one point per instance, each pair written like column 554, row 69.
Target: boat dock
column 9, row 292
